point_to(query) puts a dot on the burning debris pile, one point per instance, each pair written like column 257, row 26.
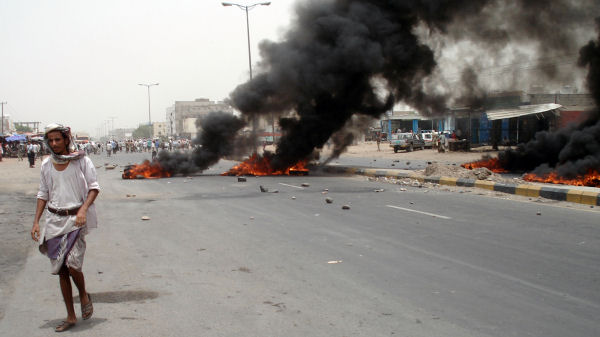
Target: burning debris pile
column 570, row 155
column 145, row 170
column 261, row 166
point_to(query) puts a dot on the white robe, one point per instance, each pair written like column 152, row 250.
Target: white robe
column 66, row 189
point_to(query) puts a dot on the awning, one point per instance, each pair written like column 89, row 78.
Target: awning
column 16, row 138
column 521, row 111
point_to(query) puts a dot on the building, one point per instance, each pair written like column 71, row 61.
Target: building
column 160, row 129
column 7, row 125
column 505, row 117
column 182, row 116
column 120, row 134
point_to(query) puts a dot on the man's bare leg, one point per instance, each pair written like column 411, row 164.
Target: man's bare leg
column 65, row 288
column 79, row 281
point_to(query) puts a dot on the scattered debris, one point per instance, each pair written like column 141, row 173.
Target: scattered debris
column 145, row 217
column 110, row 167
column 538, row 213
column 305, row 184
column 241, row 179
column 293, row 198
column 379, row 190
column 334, row 261
column 274, row 191
column 251, row 218
column 324, row 192
column 328, row 200
column 346, row 207
column 263, row 189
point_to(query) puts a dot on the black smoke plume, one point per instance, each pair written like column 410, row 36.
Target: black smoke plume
column 572, row 151
column 343, row 58
column 218, row 138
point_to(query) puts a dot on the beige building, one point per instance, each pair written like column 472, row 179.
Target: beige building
column 182, row 116
column 160, row 129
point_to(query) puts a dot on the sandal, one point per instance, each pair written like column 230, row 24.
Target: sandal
column 88, row 309
column 64, row 326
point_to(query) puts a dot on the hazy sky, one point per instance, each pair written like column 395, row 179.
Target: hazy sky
column 79, row 62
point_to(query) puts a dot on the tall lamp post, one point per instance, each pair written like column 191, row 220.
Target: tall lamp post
column 148, row 86
column 246, row 8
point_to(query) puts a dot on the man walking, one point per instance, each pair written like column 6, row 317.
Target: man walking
column 31, row 154
column 68, row 185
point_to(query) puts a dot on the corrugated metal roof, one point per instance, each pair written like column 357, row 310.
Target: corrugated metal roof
column 521, row 111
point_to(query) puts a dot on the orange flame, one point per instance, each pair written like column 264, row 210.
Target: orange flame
column 493, row 164
column 592, row 178
column 147, row 169
column 261, row 166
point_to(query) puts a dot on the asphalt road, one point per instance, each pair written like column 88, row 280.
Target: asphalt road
column 220, row 258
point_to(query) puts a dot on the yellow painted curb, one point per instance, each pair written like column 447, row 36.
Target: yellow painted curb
column 589, row 198
column 351, row 170
column 371, row 172
column 416, row 177
column 448, row 181
column 574, row 196
column 488, row 185
column 528, row 190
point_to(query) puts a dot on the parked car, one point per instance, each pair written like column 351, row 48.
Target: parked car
column 428, row 138
column 406, row 141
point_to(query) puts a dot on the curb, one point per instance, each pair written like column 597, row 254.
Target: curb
column 560, row 194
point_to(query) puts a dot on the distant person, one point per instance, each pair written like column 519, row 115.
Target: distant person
column 378, row 142
column 31, row 154
column 68, row 186
column 21, row 150
column 108, row 148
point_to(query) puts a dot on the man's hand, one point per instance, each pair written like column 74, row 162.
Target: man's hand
column 81, row 217
column 35, row 231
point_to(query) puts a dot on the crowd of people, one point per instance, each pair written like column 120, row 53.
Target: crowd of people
column 35, row 150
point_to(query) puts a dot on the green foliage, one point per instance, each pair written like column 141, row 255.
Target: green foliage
column 143, row 131
column 23, row 128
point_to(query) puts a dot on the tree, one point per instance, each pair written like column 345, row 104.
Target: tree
column 22, row 128
column 143, row 131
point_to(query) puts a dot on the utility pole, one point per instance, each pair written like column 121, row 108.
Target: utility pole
column 148, row 85
column 3, row 117
column 254, row 118
column 112, row 123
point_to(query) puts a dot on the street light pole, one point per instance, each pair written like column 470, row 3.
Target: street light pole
column 148, row 86
column 246, row 9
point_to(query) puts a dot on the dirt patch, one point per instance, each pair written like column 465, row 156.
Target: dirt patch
column 456, row 171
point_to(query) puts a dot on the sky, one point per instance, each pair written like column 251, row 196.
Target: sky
column 79, row 62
